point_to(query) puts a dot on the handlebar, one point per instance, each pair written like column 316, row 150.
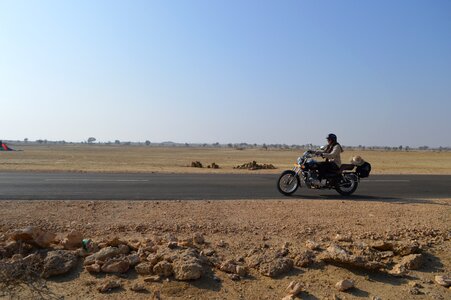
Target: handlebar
column 312, row 152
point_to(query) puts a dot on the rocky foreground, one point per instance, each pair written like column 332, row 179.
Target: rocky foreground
column 205, row 250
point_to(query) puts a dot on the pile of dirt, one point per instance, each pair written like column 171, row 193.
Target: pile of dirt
column 213, row 166
column 196, row 164
column 253, row 165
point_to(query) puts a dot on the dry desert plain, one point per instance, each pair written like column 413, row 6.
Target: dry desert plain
column 122, row 158
column 391, row 249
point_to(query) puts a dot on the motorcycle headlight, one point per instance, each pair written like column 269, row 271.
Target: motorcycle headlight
column 300, row 160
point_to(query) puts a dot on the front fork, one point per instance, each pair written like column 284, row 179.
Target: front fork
column 297, row 170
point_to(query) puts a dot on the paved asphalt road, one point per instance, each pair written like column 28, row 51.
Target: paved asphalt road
column 95, row 186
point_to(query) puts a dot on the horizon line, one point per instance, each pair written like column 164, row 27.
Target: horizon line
column 218, row 144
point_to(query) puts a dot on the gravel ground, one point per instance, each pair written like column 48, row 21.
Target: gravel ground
column 233, row 228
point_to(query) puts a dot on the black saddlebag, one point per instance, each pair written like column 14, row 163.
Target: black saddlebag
column 364, row 170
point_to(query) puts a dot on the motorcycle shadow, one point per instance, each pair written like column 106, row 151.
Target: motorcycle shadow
column 366, row 198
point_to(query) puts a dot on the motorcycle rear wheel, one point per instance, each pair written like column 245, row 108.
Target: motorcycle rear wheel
column 347, row 185
column 288, row 182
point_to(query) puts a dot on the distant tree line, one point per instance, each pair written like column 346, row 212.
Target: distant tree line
column 236, row 146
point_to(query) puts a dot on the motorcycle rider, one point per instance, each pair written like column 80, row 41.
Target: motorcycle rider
column 332, row 154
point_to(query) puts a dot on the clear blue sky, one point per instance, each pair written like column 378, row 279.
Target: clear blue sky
column 373, row 72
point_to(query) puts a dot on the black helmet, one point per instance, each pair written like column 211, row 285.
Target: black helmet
column 332, row 137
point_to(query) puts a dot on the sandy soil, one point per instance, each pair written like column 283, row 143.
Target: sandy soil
column 104, row 158
column 243, row 225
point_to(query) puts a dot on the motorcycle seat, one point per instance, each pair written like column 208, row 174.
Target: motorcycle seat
column 346, row 167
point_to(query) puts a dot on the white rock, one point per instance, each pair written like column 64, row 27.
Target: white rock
column 312, row 245
column 73, row 240
column 343, row 238
column 443, row 280
column 34, row 235
column 294, row 288
column 412, row 261
column 163, row 268
column 344, row 285
column 108, row 285
column 398, row 270
column 116, row 266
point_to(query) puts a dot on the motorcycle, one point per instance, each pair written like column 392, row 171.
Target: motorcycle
column 345, row 180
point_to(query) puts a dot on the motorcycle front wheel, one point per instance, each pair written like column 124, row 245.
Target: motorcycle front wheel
column 347, row 184
column 288, row 182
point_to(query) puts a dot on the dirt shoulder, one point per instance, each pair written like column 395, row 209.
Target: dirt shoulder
column 236, row 229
